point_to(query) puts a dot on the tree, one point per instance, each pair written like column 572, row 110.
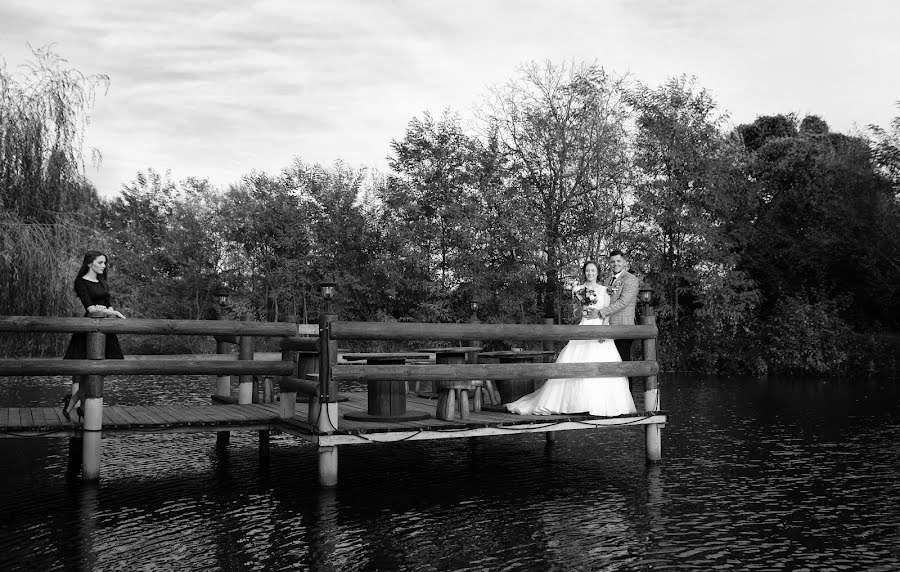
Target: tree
column 823, row 228
column 43, row 115
column 563, row 130
column 689, row 173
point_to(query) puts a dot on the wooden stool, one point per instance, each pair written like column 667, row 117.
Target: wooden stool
column 449, row 394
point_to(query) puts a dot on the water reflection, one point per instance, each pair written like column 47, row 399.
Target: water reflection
column 761, row 474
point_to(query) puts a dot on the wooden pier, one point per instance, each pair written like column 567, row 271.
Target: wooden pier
column 118, row 419
column 308, row 404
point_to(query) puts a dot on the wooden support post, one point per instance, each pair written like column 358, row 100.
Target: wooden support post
column 551, row 437
column 326, row 415
column 93, row 410
column 652, row 431
column 245, row 352
column 328, row 466
column 76, row 446
column 223, row 389
column 287, row 400
column 268, row 390
column 223, row 382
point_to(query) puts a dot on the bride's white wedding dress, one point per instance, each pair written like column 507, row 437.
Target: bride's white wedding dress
column 603, row 396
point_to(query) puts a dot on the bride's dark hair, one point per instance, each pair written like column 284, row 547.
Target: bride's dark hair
column 585, row 265
column 89, row 257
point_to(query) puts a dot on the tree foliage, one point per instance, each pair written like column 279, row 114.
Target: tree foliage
column 770, row 247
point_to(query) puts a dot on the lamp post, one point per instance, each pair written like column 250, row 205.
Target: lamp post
column 222, row 294
column 223, row 382
column 645, row 293
column 327, row 288
column 473, row 319
column 325, row 414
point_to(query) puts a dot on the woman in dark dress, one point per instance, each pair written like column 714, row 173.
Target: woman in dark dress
column 91, row 288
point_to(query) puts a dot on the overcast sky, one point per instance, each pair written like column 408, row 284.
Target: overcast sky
column 214, row 89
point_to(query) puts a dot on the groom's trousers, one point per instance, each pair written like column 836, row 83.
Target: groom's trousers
column 624, row 347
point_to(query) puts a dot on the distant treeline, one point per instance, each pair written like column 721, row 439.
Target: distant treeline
column 770, row 247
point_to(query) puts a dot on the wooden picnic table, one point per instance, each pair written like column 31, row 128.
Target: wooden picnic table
column 387, row 399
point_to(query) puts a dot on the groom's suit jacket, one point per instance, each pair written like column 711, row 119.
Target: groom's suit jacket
column 623, row 300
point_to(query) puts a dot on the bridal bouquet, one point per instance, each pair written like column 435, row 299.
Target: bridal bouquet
column 585, row 297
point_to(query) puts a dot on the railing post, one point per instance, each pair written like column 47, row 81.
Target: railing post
column 327, row 415
column 245, row 352
column 223, row 382
column 287, row 400
column 653, row 438
column 223, row 386
column 93, row 410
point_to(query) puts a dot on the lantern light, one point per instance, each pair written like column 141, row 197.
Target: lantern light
column 222, row 294
column 327, row 286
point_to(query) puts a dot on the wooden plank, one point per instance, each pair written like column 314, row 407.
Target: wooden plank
column 54, row 416
column 4, row 416
column 263, row 411
column 14, row 418
column 181, row 414
column 240, row 413
column 206, row 415
column 146, row 415
column 26, row 418
column 37, row 418
column 150, row 326
column 166, row 412
column 457, row 372
column 417, row 331
column 125, row 412
column 55, row 366
column 113, row 419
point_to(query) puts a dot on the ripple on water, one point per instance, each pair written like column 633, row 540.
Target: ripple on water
column 758, row 475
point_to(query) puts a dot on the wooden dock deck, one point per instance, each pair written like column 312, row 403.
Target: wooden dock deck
column 48, row 421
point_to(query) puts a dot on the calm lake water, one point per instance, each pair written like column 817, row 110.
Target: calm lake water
column 758, row 474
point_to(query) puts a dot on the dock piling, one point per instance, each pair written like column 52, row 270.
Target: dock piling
column 93, row 410
column 652, row 432
column 245, row 352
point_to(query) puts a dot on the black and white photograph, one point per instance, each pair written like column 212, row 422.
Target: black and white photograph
column 449, row 285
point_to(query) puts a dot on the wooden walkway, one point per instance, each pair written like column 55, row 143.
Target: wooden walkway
column 48, row 421
column 35, row 421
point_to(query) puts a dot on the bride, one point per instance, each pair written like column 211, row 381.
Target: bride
column 602, row 396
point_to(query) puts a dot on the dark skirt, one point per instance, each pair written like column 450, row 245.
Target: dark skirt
column 78, row 347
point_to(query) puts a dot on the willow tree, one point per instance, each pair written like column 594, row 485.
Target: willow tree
column 44, row 111
column 45, row 199
column 563, row 129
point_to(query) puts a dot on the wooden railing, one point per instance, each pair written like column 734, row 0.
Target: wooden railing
column 96, row 367
column 332, row 373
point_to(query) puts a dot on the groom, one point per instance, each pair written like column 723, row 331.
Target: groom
column 624, row 288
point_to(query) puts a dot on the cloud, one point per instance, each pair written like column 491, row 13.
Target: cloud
column 215, row 89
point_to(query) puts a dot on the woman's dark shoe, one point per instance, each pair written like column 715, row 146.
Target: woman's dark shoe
column 65, row 406
column 80, row 413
